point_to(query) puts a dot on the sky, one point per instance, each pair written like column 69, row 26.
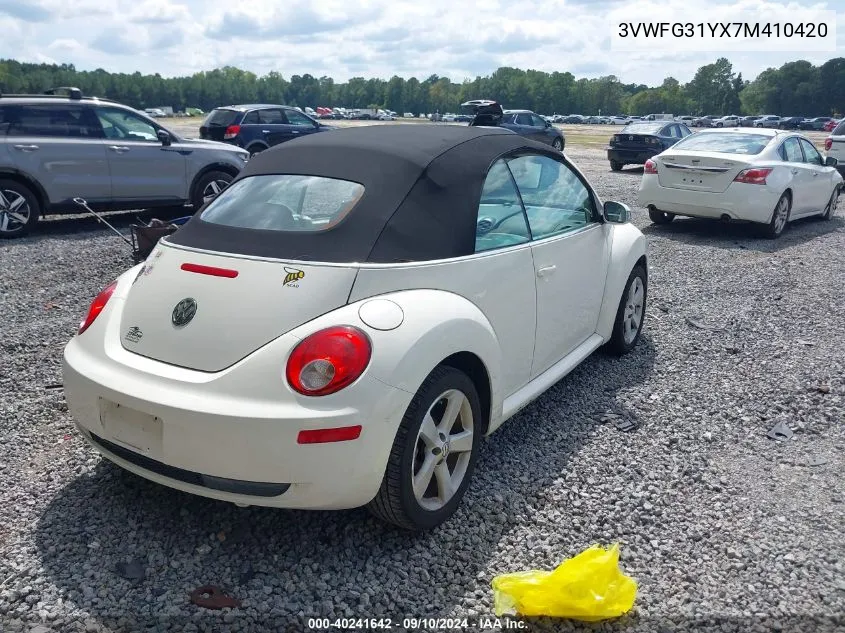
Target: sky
column 381, row 38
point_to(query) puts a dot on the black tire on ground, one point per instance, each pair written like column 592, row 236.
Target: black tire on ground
column 395, row 501
column 26, row 208
column 616, row 165
column 660, row 217
column 205, row 185
column 618, row 344
column 255, row 149
column 830, row 209
column 775, row 228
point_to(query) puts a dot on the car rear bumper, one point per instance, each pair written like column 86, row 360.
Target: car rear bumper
column 631, row 156
column 201, row 438
column 740, row 201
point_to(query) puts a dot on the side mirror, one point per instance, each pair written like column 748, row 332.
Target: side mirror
column 616, row 212
column 164, row 137
column 830, row 161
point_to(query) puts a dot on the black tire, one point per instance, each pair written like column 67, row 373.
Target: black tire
column 26, row 206
column 618, row 344
column 198, row 197
column 558, row 144
column 395, row 501
column 255, row 149
column 660, row 217
column 775, row 228
column 616, row 165
column 830, row 209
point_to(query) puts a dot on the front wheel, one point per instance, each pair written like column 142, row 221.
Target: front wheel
column 631, row 313
column 433, row 453
column 780, row 217
column 209, row 186
column 660, row 217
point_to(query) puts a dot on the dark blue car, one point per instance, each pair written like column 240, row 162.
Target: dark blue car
column 524, row 122
column 639, row 141
column 257, row 126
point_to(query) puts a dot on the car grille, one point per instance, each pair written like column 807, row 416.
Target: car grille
column 235, row 486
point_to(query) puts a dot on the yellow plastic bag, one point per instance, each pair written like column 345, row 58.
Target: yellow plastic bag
column 587, row 587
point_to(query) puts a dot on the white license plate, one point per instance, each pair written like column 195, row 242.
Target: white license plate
column 138, row 430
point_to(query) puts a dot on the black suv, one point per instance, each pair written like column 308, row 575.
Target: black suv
column 524, row 122
column 257, row 126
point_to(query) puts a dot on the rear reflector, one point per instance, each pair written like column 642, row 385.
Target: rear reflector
column 322, row 436
column 210, row 270
column 753, row 176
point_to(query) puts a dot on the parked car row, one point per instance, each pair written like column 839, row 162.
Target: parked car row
column 821, row 123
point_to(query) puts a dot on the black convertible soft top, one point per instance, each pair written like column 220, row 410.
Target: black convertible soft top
column 422, row 186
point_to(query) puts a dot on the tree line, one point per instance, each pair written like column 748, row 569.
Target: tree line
column 796, row 88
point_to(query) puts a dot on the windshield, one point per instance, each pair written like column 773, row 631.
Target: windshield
column 725, row 143
column 281, row 202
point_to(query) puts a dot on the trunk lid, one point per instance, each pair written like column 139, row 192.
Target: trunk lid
column 239, row 306
column 634, row 141
column 215, row 124
column 698, row 171
column 484, row 111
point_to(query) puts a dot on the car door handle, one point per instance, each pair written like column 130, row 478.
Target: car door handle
column 294, row 131
column 265, row 131
column 118, row 148
column 546, row 271
column 26, row 148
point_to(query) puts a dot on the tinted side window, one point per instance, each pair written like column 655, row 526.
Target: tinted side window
column 271, row 117
column 556, row 201
column 811, row 154
column 122, row 124
column 501, row 218
column 251, row 118
column 55, row 120
column 5, row 114
column 523, row 119
column 538, row 121
column 790, row 151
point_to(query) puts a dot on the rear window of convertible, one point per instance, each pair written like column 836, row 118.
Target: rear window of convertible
column 282, row 202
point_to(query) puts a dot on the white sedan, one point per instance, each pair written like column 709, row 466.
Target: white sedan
column 343, row 324
column 756, row 175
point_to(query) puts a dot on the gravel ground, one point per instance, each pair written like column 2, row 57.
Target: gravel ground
column 723, row 528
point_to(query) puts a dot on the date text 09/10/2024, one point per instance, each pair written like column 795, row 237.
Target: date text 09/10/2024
column 442, row 624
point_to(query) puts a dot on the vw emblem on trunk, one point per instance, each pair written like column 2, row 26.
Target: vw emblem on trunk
column 184, row 312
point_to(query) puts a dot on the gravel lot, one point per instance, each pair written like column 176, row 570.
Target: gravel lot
column 723, row 528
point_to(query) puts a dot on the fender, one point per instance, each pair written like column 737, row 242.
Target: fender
column 31, row 182
column 404, row 356
column 627, row 245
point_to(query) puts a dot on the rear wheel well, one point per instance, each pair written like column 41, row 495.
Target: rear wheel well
column 30, row 184
column 643, row 261
column 473, row 367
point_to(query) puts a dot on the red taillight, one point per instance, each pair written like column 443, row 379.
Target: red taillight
column 231, row 132
column 328, row 360
column 827, row 144
column 753, row 176
column 97, row 306
column 321, row 436
column 210, row 270
column 650, row 167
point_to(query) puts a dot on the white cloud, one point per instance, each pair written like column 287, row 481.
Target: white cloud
column 371, row 38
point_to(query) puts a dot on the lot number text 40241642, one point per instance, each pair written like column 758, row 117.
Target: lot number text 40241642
column 410, row 624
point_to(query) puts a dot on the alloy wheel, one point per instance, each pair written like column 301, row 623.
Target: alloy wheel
column 213, row 189
column 632, row 317
column 781, row 214
column 442, row 451
column 14, row 211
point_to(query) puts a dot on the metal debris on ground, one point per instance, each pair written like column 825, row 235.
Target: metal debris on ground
column 135, row 569
column 212, row 597
column 703, row 326
column 802, row 341
column 816, row 460
column 821, row 388
column 620, row 422
column 780, row 431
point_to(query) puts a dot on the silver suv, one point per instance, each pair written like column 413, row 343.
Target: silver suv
column 54, row 148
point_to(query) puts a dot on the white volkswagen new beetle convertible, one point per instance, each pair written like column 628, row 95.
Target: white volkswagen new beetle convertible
column 755, row 175
column 343, row 324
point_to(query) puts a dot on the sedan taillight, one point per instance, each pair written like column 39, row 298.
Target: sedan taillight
column 650, row 167
column 328, row 360
column 231, row 132
column 827, row 144
column 754, row 176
